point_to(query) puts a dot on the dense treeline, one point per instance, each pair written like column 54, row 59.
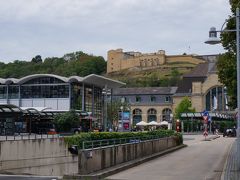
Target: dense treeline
column 77, row 63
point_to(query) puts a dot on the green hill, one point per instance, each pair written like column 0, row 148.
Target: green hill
column 165, row 75
column 76, row 63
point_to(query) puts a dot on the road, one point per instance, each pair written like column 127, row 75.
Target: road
column 22, row 177
column 201, row 160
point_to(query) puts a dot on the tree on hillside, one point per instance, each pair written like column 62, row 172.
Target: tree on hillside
column 227, row 62
column 37, row 59
column 77, row 63
column 184, row 106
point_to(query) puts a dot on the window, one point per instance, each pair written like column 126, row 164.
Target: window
column 3, row 92
column 167, row 99
column 13, row 92
column 123, row 99
column 216, row 99
column 137, row 116
column 138, row 99
column 137, row 112
column 45, row 91
column 166, row 114
column 44, row 80
column 153, row 99
column 152, row 115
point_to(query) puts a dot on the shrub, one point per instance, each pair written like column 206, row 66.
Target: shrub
column 64, row 122
column 92, row 136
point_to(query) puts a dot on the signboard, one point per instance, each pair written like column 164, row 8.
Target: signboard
column 126, row 115
column 124, row 121
column 205, row 123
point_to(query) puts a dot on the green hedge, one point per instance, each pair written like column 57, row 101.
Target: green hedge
column 80, row 138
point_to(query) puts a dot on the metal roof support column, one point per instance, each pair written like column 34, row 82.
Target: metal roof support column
column 19, row 96
column 7, row 94
column 105, row 108
column 93, row 100
column 83, row 97
column 70, row 94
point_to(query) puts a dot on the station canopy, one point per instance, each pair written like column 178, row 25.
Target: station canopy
column 213, row 115
column 41, row 111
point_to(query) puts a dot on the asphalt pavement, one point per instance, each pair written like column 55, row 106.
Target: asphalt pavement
column 23, row 177
column 201, row 160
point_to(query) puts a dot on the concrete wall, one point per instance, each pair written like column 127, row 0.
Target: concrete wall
column 38, row 157
column 97, row 159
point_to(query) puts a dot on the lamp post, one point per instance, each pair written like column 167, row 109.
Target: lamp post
column 214, row 40
column 121, row 107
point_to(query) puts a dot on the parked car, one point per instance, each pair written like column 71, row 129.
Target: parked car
column 76, row 130
column 230, row 132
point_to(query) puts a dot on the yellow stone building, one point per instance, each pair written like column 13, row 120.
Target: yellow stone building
column 118, row 60
column 201, row 85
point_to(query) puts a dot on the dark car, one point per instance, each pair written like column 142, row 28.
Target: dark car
column 230, row 132
column 76, row 130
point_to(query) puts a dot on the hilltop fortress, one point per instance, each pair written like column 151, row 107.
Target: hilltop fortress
column 118, row 60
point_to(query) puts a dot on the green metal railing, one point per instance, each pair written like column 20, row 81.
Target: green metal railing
column 112, row 142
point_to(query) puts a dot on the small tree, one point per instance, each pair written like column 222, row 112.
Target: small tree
column 64, row 122
column 183, row 107
column 113, row 110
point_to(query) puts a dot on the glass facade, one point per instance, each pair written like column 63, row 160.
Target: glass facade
column 3, row 92
column 216, row 99
column 44, row 80
column 92, row 97
column 45, row 91
column 57, row 93
column 76, row 99
column 13, row 92
column 98, row 103
column 88, row 99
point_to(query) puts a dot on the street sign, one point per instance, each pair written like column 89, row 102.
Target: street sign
column 205, row 113
column 205, row 133
column 205, row 119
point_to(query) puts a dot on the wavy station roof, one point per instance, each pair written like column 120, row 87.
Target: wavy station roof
column 39, row 111
column 94, row 79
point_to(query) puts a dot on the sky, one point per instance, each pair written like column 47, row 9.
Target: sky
column 52, row 28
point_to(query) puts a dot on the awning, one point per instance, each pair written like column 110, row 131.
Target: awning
column 215, row 115
column 10, row 108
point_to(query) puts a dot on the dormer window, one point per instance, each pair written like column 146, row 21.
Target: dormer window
column 167, row 99
column 138, row 99
column 153, row 99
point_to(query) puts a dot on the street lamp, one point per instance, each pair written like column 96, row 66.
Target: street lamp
column 121, row 107
column 214, row 40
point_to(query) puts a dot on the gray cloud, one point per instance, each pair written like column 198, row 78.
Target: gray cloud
column 55, row 27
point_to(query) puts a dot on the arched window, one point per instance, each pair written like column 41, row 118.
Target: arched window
column 137, row 116
column 216, row 99
column 152, row 115
column 166, row 114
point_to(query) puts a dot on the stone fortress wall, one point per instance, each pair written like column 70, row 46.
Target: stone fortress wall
column 118, row 60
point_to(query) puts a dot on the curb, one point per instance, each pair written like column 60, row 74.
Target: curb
column 211, row 138
column 115, row 169
column 226, row 162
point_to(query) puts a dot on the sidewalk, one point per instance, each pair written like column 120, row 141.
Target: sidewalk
column 230, row 171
